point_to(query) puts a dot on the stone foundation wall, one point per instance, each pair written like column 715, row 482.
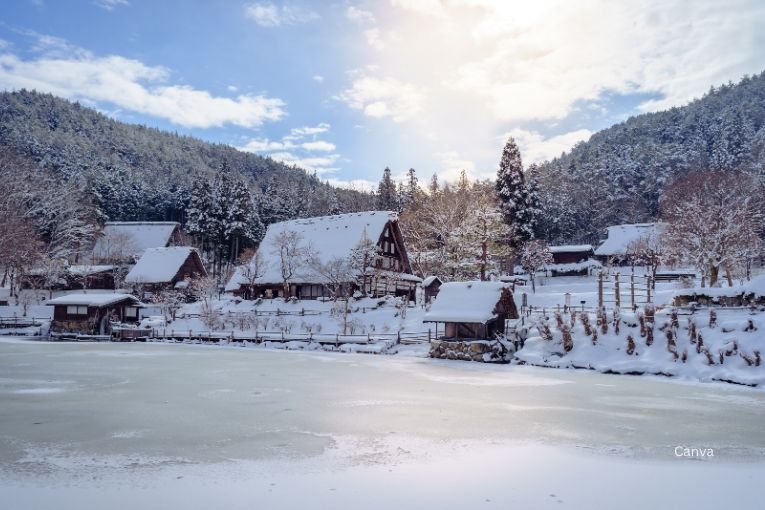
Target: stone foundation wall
column 486, row 351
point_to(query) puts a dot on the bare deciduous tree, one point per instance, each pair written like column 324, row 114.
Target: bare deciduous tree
column 291, row 253
column 534, row 256
column 713, row 222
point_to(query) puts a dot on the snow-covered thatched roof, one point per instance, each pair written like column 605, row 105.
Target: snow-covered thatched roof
column 571, row 248
column 159, row 265
column 621, row 236
column 132, row 238
column 97, row 300
column 328, row 237
column 472, row 302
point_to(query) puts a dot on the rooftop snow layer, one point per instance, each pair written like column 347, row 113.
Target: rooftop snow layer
column 328, row 236
column 571, row 248
column 88, row 299
column 620, row 237
column 429, row 280
column 132, row 238
column 472, row 302
column 159, row 265
column 87, row 270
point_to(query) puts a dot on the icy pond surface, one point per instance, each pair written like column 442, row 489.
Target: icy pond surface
column 160, row 426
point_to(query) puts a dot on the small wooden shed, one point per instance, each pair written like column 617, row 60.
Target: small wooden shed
column 472, row 310
column 92, row 313
column 430, row 287
column 571, row 260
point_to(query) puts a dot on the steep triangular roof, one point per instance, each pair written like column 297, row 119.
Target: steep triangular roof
column 160, row 265
column 132, row 238
column 328, row 236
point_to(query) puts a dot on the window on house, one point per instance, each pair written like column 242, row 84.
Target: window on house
column 76, row 310
column 131, row 311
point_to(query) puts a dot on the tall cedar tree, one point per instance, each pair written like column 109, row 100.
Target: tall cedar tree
column 387, row 196
column 514, row 196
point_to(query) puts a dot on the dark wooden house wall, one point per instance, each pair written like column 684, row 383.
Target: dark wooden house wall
column 89, row 323
column 192, row 267
column 571, row 257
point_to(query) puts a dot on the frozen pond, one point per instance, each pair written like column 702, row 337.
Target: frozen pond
column 88, row 425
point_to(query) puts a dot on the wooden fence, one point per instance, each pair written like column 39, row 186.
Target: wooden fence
column 283, row 337
column 22, row 322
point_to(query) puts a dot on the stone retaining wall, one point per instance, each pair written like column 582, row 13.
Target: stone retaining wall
column 486, row 351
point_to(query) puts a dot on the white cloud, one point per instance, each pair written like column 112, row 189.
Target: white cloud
column 132, row 85
column 452, row 164
column 267, row 14
column 526, row 61
column 431, row 7
column 294, row 149
column 321, row 165
column 383, row 97
column 535, row 148
column 359, row 15
column 317, row 78
column 318, row 146
column 374, row 38
column 474, row 69
column 110, row 4
column 302, row 132
column 355, row 184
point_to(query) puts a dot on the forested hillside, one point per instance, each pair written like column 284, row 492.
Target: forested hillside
column 133, row 172
column 620, row 173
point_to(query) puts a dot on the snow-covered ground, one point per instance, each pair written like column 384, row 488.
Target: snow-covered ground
column 731, row 349
column 126, row 426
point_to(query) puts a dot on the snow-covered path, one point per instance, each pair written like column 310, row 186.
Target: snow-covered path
column 170, row 426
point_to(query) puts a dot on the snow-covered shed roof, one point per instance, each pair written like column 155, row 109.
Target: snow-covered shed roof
column 620, row 237
column 429, row 280
column 472, row 302
column 82, row 270
column 132, row 238
column 97, row 300
column 329, row 237
column 159, row 265
column 571, row 248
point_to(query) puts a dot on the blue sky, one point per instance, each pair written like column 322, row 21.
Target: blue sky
column 346, row 88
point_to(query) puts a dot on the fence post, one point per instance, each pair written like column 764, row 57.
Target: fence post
column 398, row 337
column 648, row 287
column 632, row 291
column 617, row 290
column 600, row 289
column 337, row 340
column 429, row 340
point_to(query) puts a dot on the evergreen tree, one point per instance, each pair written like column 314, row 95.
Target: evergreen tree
column 387, row 199
column 412, row 191
column 433, row 186
column 514, row 195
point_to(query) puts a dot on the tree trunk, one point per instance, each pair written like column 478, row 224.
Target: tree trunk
column 714, row 272
column 483, row 261
column 728, row 276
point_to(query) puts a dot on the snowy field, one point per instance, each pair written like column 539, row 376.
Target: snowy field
column 126, row 426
